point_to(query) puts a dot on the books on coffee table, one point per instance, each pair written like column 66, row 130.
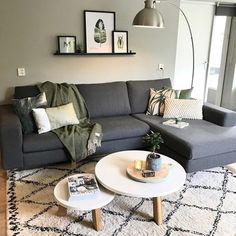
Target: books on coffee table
column 82, row 186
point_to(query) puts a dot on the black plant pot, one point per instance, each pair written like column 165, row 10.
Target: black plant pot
column 153, row 161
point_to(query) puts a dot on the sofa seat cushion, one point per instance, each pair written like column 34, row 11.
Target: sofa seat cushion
column 41, row 142
column 121, row 127
column 200, row 139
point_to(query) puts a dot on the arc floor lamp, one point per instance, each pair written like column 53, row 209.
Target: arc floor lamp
column 149, row 17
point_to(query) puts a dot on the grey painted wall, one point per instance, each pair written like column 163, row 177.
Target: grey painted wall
column 28, row 30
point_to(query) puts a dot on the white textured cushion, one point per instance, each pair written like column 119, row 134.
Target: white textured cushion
column 184, row 108
column 54, row 117
column 41, row 120
column 157, row 98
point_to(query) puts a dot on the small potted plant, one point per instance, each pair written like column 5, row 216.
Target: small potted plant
column 154, row 140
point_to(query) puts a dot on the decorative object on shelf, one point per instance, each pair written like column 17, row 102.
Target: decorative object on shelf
column 66, row 44
column 98, row 31
column 120, row 41
column 153, row 161
column 149, row 17
column 95, row 54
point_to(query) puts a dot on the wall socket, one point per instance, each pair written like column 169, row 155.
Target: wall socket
column 161, row 66
column 21, row 72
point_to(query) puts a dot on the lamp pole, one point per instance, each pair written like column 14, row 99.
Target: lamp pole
column 191, row 37
column 150, row 17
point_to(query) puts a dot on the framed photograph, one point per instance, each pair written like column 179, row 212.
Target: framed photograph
column 98, row 31
column 66, row 44
column 120, row 41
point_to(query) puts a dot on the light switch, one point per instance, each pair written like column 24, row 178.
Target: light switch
column 21, row 72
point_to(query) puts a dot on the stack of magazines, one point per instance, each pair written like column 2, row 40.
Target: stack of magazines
column 82, row 186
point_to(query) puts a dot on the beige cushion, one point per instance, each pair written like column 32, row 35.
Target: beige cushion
column 62, row 116
column 55, row 117
column 184, row 108
column 157, row 100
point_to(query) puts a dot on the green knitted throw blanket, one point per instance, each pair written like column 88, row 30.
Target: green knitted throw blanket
column 80, row 140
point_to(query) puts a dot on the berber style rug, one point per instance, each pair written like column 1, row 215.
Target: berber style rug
column 205, row 206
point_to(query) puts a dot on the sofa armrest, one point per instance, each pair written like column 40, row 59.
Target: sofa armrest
column 11, row 138
column 219, row 115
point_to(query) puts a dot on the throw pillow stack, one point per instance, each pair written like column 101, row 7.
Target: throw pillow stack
column 171, row 103
column 34, row 115
column 55, row 117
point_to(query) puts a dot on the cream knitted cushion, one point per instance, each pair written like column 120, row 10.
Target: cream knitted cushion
column 183, row 108
column 157, row 100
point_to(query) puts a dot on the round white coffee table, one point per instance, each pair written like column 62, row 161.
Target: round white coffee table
column 94, row 204
column 111, row 173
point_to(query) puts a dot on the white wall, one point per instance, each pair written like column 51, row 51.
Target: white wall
column 200, row 15
column 28, row 30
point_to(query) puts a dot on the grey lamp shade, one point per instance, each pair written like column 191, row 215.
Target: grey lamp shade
column 150, row 18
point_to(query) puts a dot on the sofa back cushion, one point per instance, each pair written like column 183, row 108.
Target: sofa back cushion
column 139, row 92
column 106, row 99
column 26, row 91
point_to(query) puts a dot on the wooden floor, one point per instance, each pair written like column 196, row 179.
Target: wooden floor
column 3, row 202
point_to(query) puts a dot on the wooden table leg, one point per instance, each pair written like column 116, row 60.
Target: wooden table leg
column 62, row 211
column 157, row 210
column 97, row 219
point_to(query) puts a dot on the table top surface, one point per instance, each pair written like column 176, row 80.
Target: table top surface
column 111, row 173
column 61, row 195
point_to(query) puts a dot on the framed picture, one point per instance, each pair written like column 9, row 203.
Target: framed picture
column 98, row 31
column 66, row 44
column 120, row 41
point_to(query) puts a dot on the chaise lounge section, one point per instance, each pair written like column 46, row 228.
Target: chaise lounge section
column 120, row 108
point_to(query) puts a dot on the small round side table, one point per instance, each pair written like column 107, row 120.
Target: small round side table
column 94, row 204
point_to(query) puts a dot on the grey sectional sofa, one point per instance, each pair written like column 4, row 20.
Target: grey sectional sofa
column 120, row 108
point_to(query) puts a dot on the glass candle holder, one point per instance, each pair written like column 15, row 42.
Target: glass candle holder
column 138, row 165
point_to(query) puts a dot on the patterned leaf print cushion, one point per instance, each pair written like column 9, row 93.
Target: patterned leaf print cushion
column 156, row 103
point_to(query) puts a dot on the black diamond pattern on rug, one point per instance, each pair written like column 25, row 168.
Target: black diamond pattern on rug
column 206, row 205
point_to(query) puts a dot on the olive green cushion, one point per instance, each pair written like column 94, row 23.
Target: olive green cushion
column 184, row 93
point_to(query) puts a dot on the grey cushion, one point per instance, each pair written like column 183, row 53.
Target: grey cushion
column 120, row 145
column 200, row 139
column 107, row 99
column 121, row 127
column 41, row 142
column 139, row 92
